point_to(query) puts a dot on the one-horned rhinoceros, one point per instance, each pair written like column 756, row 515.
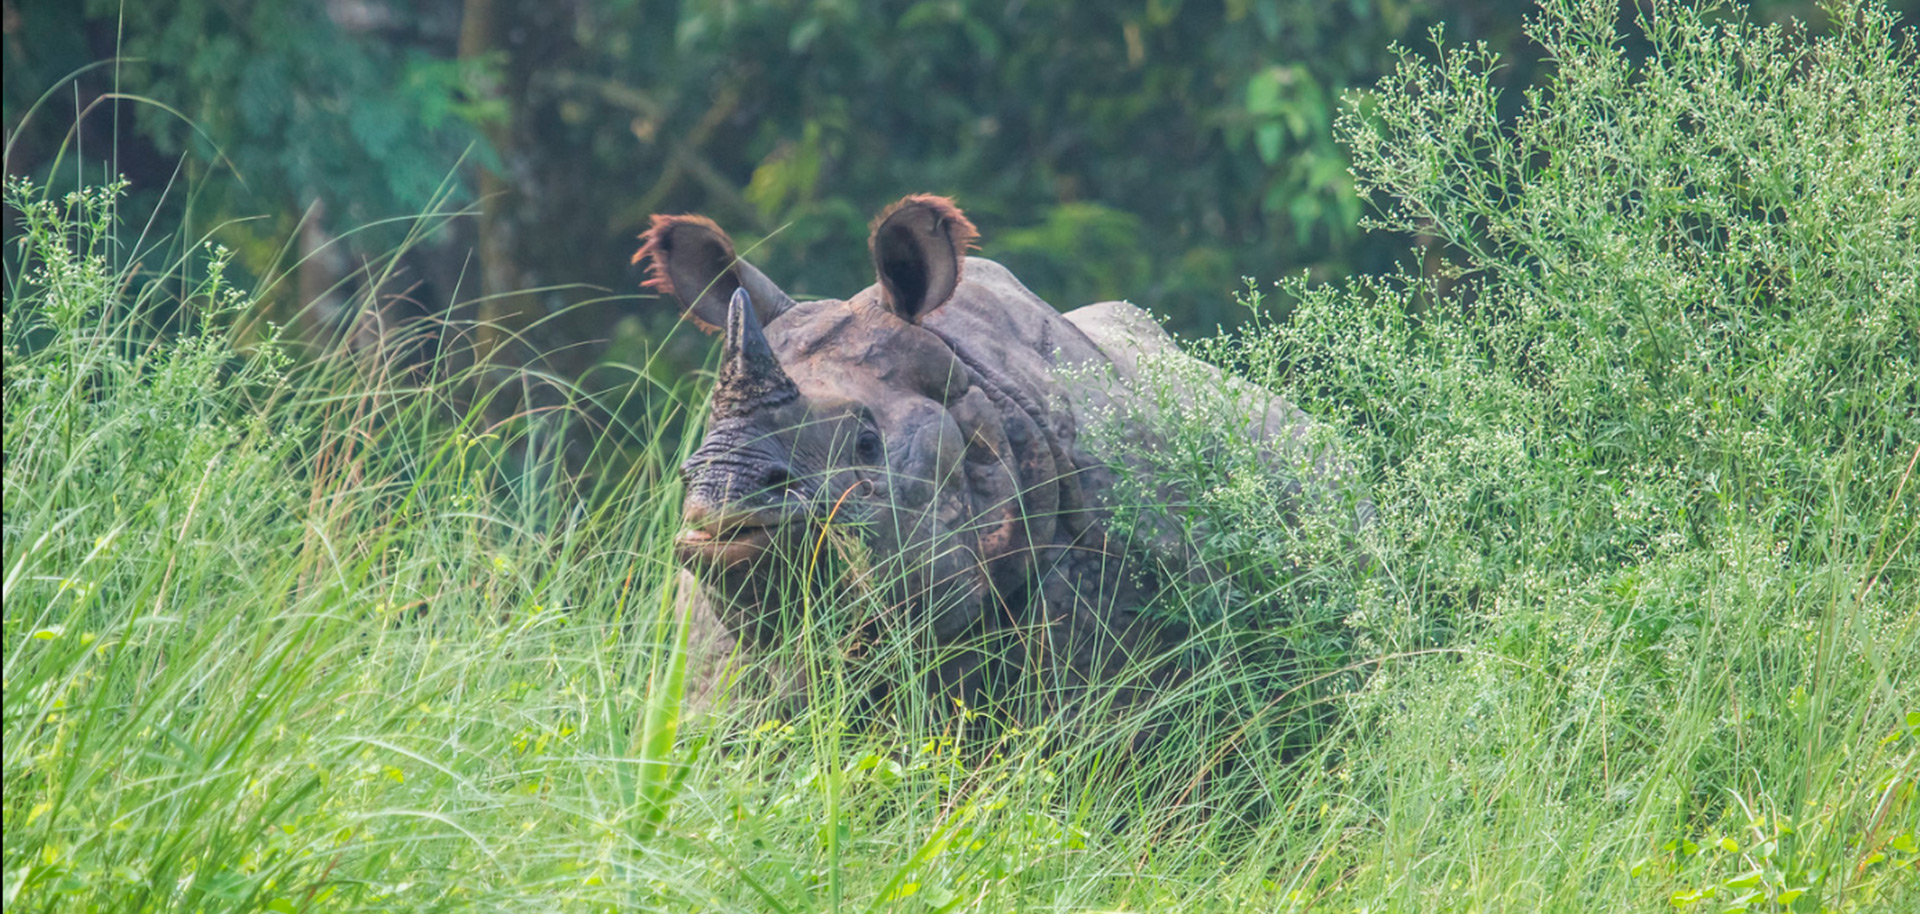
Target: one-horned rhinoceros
column 939, row 415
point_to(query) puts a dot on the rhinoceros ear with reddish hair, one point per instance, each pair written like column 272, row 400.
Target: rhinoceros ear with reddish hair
column 693, row 261
column 917, row 246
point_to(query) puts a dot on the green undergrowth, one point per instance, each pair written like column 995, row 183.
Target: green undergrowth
column 295, row 630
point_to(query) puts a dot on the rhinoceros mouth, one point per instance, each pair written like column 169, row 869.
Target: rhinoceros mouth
column 726, row 548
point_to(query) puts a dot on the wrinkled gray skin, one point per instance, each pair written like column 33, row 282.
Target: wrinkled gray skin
column 941, row 410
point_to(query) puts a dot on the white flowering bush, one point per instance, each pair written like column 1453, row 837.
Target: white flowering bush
column 1640, row 427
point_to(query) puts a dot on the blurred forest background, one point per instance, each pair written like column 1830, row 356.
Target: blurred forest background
column 1154, row 150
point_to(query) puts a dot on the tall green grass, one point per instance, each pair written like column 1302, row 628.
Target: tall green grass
column 1636, row 629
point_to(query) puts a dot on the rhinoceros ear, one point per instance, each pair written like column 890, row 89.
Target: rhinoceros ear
column 693, row 261
column 917, row 245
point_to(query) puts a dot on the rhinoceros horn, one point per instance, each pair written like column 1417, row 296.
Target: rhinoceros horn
column 751, row 379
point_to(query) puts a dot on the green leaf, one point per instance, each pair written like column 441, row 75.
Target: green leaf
column 1263, row 92
column 803, row 35
column 659, row 778
column 1267, row 139
column 938, row 897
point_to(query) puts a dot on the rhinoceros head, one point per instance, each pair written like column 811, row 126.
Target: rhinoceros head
column 840, row 413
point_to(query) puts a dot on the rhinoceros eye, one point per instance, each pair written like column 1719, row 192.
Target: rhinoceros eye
column 867, row 449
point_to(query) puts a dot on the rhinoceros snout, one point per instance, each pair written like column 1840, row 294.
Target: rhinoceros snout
column 723, row 484
column 736, row 489
column 721, row 517
column 731, row 520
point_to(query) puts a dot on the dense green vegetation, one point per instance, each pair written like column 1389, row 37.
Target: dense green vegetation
column 1151, row 149
column 1156, row 150
column 1637, row 628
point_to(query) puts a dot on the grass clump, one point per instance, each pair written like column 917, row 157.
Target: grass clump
column 1636, row 625
column 290, row 638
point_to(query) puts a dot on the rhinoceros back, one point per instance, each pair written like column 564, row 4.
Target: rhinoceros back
column 1153, row 389
column 1142, row 353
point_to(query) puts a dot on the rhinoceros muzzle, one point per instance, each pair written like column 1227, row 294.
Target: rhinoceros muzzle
column 703, row 548
column 722, row 537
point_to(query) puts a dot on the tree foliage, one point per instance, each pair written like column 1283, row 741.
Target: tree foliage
column 1154, row 150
